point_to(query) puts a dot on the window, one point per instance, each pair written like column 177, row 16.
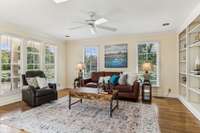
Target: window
column 149, row 51
column 50, row 64
column 33, row 55
column 90, row 60
column 10, row 48
column 18, row 56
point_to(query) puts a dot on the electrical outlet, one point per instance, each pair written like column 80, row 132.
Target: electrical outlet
column 169, row 91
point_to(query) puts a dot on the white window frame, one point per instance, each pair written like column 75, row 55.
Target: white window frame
column 157, row 59
column 55, row 59
column 40, row 44
column 98, row 56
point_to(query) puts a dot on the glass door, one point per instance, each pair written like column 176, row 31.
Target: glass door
column 10, row 64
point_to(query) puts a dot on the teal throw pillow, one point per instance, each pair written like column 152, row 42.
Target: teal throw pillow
column 114, row 79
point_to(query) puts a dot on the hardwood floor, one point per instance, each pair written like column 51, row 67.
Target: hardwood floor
column 173, row 116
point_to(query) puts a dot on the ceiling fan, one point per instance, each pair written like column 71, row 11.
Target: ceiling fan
column 94, row 22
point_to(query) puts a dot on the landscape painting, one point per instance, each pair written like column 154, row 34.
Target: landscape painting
column 116, row 56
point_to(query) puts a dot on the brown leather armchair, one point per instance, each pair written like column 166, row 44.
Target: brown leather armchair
column 125, row 91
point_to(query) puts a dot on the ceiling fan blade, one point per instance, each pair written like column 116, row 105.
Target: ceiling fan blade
column 106, row 28
column 100, row 21
column 77, row 27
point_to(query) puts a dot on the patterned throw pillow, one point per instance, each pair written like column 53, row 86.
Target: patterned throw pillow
column 42, row 82
column 123, row 79
column 106, row 79
column 32, row 82
column 101, row 80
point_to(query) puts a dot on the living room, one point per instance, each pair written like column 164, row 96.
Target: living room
column 72, row 66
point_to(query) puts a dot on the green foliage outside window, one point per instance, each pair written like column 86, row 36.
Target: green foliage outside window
column 90, row 61
column 50, row 63
column 33, row 58
column 147, row 52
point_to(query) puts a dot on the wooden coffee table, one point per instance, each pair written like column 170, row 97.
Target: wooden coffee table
column 93, row 94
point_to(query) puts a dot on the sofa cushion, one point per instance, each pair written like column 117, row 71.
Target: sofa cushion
column 95, row 76
column 91, row 84
column 43, row 92
column 114, row 79
column 124, row 88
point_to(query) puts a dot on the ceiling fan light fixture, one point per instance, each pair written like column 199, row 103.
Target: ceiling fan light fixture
column 101, row 21
column 60, row 1
column 92, row 30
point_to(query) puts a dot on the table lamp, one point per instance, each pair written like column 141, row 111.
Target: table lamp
column 146, row 68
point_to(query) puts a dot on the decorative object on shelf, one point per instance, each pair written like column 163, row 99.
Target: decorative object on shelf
column 146, row 68
column 116, row 56
column 197, row 64
column 146, row 92
column 196, row 70
column 197, row 37
column 184, row 45
column 184, row 79
column 80, row 68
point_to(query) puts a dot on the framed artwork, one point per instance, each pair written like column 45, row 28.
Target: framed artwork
column 116, row 56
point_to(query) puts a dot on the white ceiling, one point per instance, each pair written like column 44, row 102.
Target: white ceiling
column 128, row 16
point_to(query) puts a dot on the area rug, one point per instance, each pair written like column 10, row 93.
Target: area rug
column 88, row 117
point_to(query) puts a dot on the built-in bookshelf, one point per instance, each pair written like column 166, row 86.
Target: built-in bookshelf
column 189, row 67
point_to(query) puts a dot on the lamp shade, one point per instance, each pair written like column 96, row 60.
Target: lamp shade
column 80, row 66
column 146, row 66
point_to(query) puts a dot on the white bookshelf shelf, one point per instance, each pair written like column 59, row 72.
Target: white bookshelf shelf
column 183, row 73
column 183, row 38
column 196, row 44
column 195, row 90
column 182, row 61
column 195, row 29
column 183, row 85
column 182, row 50
column 194, row 75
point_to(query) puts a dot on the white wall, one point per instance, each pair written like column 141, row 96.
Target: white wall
column 168, row 57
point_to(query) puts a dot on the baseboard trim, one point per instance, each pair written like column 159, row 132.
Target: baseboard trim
column 10, row 99
column 193, row 110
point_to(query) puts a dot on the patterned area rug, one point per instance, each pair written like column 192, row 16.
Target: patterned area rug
column 89, row 117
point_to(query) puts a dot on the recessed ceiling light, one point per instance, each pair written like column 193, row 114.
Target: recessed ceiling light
column 60, row 1
column 165, row 24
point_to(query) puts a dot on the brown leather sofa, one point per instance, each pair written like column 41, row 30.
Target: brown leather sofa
column 125, row 91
